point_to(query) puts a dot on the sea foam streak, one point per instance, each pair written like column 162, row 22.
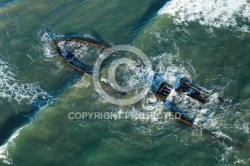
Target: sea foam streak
column 12, row 89
column 217, row 13
column 4, row 155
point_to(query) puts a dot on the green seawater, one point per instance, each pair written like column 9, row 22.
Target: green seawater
column 35, row 81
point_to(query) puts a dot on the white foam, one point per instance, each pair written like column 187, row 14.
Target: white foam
column 150, row 103
column 219, row 134
column 242, row 162
column 12, row 89
column 46, row 41
column 4, row 154
column 217, row 13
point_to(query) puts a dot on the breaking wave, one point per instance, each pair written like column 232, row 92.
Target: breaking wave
column 12, row 89
column 4, row 154
column 217, row 13
column 46, row 42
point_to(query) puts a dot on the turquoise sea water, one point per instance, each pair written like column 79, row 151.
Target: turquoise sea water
column 38, row 90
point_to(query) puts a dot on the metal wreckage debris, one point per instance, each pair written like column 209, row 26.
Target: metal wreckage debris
column 162, row 93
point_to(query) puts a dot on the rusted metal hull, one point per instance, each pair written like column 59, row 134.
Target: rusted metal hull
column 163, row 91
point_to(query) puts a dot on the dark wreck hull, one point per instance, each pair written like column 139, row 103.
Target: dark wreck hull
column 162, row 93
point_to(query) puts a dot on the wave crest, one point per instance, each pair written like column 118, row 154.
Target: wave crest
column 217, row 13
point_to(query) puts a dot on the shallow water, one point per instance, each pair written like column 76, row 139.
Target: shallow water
column 39, row 90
